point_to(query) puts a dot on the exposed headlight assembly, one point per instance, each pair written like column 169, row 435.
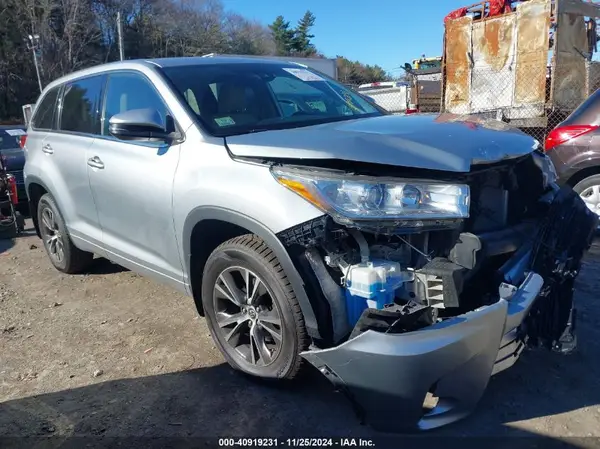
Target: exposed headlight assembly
column 389, row 202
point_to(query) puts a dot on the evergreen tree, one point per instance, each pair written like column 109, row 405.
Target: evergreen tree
column 301, row 43
column 283, row 36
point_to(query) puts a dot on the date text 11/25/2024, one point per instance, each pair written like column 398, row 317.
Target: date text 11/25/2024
column 295, row 442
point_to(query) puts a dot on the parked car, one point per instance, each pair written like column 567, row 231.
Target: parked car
column 574, row 147
column 399, row 255
column 12, row 139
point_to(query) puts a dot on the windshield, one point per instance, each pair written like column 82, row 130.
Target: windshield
column 10, row 138
column 430, row 65
column 239, row 98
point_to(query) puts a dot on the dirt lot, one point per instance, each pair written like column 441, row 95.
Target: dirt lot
column 111, row 353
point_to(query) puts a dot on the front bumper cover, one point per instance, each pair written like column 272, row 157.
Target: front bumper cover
column 388, row 376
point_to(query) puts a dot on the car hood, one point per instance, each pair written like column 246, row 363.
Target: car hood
column 436, row 142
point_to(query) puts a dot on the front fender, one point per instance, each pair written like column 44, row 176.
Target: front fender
column 230, row 216
column 571, row 160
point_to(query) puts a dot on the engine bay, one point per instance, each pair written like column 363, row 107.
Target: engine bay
column 412, row 275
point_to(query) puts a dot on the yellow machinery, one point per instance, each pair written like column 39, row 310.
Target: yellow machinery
column 424, row 63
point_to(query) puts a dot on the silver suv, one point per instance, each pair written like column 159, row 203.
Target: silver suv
column 400, row 256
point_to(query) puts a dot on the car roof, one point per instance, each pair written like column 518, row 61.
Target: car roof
column 212, row 60
column 140, row 64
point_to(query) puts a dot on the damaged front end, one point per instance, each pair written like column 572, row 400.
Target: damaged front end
column 474, row 289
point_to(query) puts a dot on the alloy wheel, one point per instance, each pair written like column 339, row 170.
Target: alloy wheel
column 53, row 238
column 591, row 197
column 247, row 316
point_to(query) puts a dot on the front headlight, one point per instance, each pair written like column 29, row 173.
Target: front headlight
column 403, row 202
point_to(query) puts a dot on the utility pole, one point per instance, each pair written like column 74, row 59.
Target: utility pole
column 120, row 32
column 34, row 45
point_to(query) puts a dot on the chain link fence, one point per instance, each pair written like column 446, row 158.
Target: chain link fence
column 533, row 100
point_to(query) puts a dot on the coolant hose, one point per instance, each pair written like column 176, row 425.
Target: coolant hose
column 362, row 244
column 332, row 292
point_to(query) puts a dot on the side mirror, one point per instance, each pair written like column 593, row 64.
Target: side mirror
column 139, row 124
column 407, row 67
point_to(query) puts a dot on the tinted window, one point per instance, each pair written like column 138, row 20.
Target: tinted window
column 237, row 98
column 44, row 115
column 81, row 100
column 127, row 91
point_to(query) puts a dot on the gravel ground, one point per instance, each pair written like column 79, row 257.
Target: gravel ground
column 111, row 353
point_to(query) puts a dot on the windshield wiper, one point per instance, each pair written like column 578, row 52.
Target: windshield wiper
column 249, row 131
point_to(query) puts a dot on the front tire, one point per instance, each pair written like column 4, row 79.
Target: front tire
column 63, row 254
column 252, row 311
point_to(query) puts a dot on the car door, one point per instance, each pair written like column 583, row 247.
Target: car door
column 132, row 185
column 65, row 151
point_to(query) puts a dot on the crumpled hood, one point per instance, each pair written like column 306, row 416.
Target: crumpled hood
column 443, row 142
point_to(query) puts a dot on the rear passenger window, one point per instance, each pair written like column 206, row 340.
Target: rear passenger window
column 44, row 115
column 128, row 91
column 81, row 101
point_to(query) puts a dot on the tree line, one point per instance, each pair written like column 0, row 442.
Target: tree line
column 74, row 34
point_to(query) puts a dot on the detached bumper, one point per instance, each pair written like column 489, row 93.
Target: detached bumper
column 389, row 375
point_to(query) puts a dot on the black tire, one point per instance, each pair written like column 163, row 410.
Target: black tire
column 586, row 183
column 250, row 252
column 74, row 260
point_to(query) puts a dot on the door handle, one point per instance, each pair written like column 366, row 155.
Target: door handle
column 47, row 149
column 95, row 162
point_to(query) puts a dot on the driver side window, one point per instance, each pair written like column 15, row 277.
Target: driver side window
column 127, row 91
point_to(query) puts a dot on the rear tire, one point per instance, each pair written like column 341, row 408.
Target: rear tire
column 63, row 254
column 244, row 320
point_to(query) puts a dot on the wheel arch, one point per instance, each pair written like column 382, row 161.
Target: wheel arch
column 221, row 224
column 582, row 173
column 35, row 189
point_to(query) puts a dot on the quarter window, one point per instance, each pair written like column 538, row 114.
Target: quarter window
column 44, row 115
column 81, row 101
column 128, row 91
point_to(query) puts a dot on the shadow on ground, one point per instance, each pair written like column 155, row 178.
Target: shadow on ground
column 216, row 401
column 101, row 265
column 9, row 237
column 6, row 244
